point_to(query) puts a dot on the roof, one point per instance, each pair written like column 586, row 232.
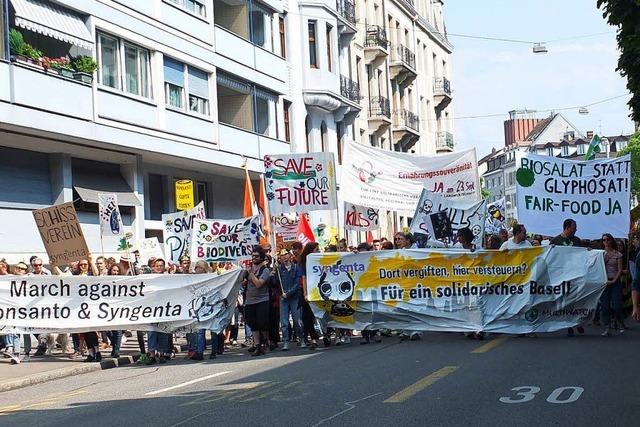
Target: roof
column 540, row 127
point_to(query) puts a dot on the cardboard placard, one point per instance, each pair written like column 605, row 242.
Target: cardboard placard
column 61, row 233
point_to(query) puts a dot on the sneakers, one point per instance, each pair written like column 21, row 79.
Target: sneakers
column 580, row 330
column 302, row 344
column 27, row 358
column 606, row 332
column 285, row 346
column 347, row 339
column 570, row 332
column 415, row 336
column 40, row 351
column 15, row 360
column 90, row 359
column 8, row 352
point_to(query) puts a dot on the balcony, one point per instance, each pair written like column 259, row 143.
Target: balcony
column 409, row 5
column 347, row 16
column 375, row 44
column 379, row 114
column 405, row 129
column 442, row 92
column 247, row 143
column 403, row 65
column 444, row 142
column 349, row 89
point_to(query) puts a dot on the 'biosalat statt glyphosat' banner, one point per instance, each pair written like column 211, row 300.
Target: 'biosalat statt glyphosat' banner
column 162, row 302
column 594, row 193
column 539, row 289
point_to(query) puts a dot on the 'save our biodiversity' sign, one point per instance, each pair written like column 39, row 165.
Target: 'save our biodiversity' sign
column 224, row 239
column 594, row 193
column 540, row 289
column 40, row 304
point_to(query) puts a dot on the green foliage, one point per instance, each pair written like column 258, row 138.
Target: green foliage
column 625, row 14
column 483, row 190
column 31, row 52
column 634, row 149
column 16, row 42
column 84, row 64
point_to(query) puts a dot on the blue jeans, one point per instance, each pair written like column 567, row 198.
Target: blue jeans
column 290, row 305
column 157, row 341
column 116, row 338
column 13, row 340
column 611, row 297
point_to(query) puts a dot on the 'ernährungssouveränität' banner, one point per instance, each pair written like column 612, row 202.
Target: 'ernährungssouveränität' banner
column 539, row 289
column 594, row 193
column 161, row 302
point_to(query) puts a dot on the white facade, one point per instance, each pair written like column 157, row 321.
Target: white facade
column 193, row 89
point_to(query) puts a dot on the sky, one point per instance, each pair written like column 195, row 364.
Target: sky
column 491, row 77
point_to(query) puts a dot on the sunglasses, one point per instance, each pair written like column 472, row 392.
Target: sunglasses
column 37, row 265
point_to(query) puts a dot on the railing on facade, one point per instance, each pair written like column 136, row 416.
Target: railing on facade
column 347, row 9
column 349, row 89
column 376, row 36
column 444, row 140
column 379, row 106
column 442, row 85
column 409, row 3
column 406, row 56
column 408, row 119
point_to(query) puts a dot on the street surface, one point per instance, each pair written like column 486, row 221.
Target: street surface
column 444, row 379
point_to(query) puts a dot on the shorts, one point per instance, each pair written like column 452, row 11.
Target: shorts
column 257, row 316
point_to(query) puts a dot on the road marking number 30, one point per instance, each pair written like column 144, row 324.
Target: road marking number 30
column 560, row 395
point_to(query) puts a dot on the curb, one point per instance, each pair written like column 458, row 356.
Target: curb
column 55, row 374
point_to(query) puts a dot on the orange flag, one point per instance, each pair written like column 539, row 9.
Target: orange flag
column 263, row 207
column 250, row 208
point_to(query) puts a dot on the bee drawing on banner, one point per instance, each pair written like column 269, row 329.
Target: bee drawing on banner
column 338, row 292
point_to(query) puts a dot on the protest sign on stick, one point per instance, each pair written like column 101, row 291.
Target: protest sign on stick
column 360, row 218
column 224, row 240
column 177, row 231
column 61, row 233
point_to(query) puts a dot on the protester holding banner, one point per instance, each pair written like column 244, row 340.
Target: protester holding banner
column 403, row 240
column 465, row 239
column 519, row 239
column 568, row 236
column 308, row 318
column 157, row 342
column 612, row 295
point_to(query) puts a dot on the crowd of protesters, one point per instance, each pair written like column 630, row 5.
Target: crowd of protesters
column 273, row 306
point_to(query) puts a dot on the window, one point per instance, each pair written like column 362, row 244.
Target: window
column 108, row 61
column 329, row 58
column 283, row 37
column 565, row 150
column 499, row 181
column 157, row 196
column 287, row 124
column 323, row 137
column 196, row 7
column 340, row 135
column 185, row 83
column 307, row 132
column 202, row 194
column 581, row 149
column 124, row 66
column 550, row 151
column 313, row 58
column 261, row 26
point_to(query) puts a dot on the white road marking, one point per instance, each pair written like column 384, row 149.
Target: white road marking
column 351, row 405
column 197, row 380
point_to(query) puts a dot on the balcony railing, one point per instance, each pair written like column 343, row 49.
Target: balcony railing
column 349, row 89
column 408, row 119
column 409, row 3
column 379, row 106
column 442, row 85
column 347, row 10
column 406, row 56
column 444, row 140
column 376, row 37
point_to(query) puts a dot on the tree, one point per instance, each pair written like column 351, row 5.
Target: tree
column 625, row 14
column 633, row 148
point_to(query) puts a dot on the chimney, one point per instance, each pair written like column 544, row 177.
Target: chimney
column 589, row 134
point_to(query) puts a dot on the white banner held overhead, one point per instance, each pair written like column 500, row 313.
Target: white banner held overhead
column 595, row 193
column 110, row 219
column 391, row 180
column 162, row 302
column 441, row 218
column 360, row 218
column 300, row 182
column 177, row 231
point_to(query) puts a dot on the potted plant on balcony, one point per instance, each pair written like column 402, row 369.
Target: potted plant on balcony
column 16, row 46
column 84, row 66
column 61, row 65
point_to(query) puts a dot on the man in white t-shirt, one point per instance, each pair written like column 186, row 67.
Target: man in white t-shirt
column 519, row 239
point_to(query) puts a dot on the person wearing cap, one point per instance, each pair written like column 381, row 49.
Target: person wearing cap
column 287, row 278
column 185, row 264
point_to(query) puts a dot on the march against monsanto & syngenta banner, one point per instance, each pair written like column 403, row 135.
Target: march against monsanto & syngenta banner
column 538, row 289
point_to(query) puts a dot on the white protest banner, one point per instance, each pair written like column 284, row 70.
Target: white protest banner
column 41, row 304
column 390, row 180
column 286, row 226
column 177, row 231
column 360, row 218
column 110, row 219
column 595, row 193
column 300, row 182
column 224, row 240
column 441, row 217
column 61, row 233
column 539, row 289
column 496, row 220
column 148, row 248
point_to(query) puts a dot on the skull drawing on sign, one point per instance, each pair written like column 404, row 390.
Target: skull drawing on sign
column 338, row 291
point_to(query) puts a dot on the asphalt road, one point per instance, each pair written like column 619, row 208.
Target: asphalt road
column 444, row 379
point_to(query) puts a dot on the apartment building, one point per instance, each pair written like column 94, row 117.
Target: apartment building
column 184, row 89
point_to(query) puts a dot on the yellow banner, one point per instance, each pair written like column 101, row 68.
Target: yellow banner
column 184, row 195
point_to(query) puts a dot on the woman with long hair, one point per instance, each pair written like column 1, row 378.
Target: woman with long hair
column 308, row 319
column 612, row 295
column 114, row 336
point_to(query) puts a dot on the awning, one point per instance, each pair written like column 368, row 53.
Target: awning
column 88, row 184
column 49, row 19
